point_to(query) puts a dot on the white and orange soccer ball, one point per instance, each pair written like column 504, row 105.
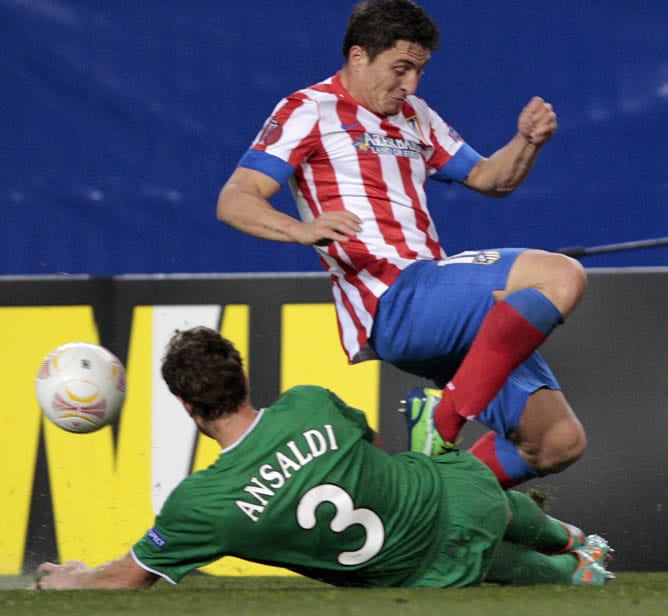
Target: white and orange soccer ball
column 81, row 387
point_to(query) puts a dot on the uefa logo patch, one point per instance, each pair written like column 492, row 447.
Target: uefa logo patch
column 156, row 538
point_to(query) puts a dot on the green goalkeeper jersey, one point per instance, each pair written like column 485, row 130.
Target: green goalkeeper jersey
column 304, row 489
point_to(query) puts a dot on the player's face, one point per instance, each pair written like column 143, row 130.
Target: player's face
column 394, row 74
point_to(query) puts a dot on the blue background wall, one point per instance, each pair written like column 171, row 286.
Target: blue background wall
column 119, row 123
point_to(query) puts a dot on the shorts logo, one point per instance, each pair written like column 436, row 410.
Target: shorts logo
column 156, row 538
column 271, row 132
column 486, row 257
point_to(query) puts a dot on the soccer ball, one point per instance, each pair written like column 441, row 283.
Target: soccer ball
column 81, row 387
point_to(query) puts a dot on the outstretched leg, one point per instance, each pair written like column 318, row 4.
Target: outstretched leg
column 518, row 565
column 531, row 527
column 521, row 566
column 539, row 549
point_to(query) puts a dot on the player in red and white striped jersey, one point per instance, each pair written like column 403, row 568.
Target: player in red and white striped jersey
column 356, row 150
column 341, row 156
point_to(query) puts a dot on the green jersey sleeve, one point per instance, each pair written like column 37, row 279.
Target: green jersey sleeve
column 183, row 537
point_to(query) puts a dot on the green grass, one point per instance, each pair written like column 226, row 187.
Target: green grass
column 643, row 594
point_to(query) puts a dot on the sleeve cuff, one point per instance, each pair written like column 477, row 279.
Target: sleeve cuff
column 273, row 166
column 459, row 166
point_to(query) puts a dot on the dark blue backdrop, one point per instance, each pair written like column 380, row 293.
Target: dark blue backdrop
column 120, row 121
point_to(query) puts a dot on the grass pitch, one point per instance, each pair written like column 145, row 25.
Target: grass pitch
column 642, row 594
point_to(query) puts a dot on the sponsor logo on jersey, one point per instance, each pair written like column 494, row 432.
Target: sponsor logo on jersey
column 380, row 144
column 271, row 132
column 156, row 538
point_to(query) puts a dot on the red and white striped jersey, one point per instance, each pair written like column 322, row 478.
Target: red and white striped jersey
column 336, row 155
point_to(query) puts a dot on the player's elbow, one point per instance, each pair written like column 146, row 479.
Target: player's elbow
column 225, row 205
column 494, row 190
column 499, row 192
column 487, row 179
column 502, row 185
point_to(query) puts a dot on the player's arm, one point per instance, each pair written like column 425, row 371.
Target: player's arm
column 244, row 204
column 121, row 573
column 507, row 168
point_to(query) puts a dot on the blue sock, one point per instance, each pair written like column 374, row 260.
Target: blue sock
column 511, row 461
column 502, row 457
column 536, row 309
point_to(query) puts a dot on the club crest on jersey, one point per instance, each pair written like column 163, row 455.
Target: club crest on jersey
column 486, row 257
column 380, row 144
column 271, row 132
column 414, row 122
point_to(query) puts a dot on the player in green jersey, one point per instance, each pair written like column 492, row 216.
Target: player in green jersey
column 301, row 485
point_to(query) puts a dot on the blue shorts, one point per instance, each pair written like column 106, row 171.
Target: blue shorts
column 428, row 318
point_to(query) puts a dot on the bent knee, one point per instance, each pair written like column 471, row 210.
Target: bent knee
column 562, row 279
column 571, row 274
column 563, row 445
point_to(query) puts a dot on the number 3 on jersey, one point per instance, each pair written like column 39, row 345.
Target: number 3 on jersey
column 346, row 516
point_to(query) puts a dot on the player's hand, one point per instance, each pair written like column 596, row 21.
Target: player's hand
column 538, row 122
column 59, row 577
column 338, row 226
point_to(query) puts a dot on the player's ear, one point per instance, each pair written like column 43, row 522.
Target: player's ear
column 356, row 56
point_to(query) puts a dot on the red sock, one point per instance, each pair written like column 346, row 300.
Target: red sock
column 504, row 341
column 485, row 450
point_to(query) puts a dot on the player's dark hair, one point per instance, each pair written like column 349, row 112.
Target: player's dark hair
column 376, row 25
column 206, row 371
